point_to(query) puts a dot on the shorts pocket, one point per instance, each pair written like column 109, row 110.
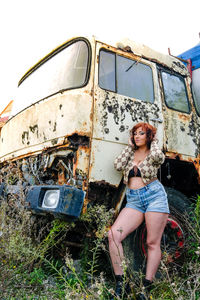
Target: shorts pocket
column 155, row 188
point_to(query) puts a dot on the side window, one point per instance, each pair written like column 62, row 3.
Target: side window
column 125, row 76
column 107, row 71
column 196, row 101
column 175, row 92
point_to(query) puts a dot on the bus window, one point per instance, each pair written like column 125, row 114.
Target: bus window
column 175, row 92
column 64, row 69
column 126, row 76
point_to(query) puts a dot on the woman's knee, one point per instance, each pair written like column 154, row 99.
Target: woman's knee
column 153, row 244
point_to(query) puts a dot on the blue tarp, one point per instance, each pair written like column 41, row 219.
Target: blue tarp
column 194, row 55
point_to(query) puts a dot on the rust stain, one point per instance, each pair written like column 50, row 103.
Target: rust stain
column 61, row 178
column 175, row 155
column 60, row 145
column 85, row 205
column 91, row 116
column 196, row 162
column 184, row 117
column 78, row 139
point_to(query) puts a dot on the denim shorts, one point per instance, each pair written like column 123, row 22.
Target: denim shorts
column 151, row 197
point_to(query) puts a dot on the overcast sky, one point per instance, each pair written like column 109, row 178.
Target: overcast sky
column 32, row 28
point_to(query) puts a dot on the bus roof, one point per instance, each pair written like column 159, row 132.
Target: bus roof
column 194, row 55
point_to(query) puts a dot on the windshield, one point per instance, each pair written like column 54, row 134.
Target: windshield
column 65, row 69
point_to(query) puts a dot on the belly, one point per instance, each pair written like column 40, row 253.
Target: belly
column 135, row 183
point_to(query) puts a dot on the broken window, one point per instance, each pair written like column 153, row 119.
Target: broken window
column 175, row 92
column 126, row 76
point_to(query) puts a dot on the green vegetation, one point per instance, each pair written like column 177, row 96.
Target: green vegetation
column 35, row 263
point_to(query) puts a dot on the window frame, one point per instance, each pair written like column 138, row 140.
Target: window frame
column 112, row 52
column 193, row 100
column 132, row 59
column 55, row 52
column 183, row 80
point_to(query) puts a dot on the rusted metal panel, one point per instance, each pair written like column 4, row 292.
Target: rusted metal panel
column 101, row 163
column 78, row 133
column 46, row 123
column 196, row 163
column 181, row 130
column 179, row 137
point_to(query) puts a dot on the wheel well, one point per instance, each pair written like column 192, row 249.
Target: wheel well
column 180, row 175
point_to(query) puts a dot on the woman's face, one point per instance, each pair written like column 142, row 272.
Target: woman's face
column 140, row 137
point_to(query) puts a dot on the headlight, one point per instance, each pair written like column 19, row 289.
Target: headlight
column 51, row 199
column 62, row 201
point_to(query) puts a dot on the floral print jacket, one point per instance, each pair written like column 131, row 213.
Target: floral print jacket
column 148, row 167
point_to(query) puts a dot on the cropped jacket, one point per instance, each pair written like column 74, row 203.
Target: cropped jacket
column 148, row 167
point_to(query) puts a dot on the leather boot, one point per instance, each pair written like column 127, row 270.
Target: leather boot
column 147, row 284
column 120, row 289
column 147, row 288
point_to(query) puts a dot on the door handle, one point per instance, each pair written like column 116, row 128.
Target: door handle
column 156, row 120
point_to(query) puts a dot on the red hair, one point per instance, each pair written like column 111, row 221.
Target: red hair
column 149, row 129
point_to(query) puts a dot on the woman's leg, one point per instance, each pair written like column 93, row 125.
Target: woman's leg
column 155, row 223
column 127, row 221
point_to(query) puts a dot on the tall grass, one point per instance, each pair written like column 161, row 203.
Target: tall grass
column 29, row 268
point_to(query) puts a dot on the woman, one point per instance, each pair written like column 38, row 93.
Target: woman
column 146, row 199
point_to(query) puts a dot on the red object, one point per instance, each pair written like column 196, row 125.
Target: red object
column 189, row 66
column 173, row 224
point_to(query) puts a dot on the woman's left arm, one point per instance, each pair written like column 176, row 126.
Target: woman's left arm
column 156, row 154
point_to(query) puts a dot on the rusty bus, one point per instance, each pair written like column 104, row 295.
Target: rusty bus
column 72, row 117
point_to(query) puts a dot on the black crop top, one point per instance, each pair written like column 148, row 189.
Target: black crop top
column 135, row 172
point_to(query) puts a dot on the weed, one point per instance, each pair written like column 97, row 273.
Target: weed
column 29, row 268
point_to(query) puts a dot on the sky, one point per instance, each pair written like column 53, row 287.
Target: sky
column 32, row 28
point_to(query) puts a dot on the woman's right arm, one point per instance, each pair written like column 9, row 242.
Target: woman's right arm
column 156, row 154
column 121, row 161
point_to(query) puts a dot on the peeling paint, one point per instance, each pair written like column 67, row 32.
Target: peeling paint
column 54, row 127
column 73, row 137
column 25, row 138
column 34, row 129
column 44, row 137
column 77, row 139
column 54, row 142
column 137, row 110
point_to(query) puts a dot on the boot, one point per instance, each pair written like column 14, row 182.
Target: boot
column 147, row 288
column 147, row 285
column 120, row 288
